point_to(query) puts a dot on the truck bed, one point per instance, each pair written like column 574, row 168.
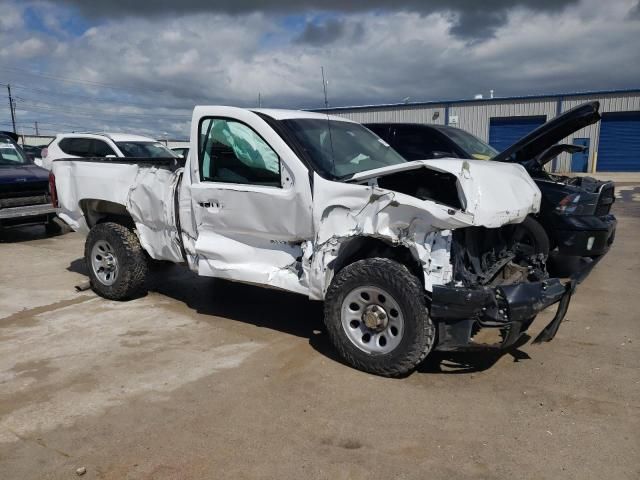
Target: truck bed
column 91, row 190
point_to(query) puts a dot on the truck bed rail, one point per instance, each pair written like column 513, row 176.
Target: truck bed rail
column 170, row 163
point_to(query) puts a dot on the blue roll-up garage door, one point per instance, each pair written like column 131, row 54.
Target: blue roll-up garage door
column 619, row 148
column 505, row 131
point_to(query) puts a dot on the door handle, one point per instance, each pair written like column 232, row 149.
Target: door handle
column 210, row 204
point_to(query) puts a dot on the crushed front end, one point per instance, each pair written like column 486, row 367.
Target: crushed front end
column 495, row 294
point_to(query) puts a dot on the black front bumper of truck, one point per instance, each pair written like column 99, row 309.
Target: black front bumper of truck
column 586, row 236
column 469, row 318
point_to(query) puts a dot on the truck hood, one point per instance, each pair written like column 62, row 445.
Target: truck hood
column 550, row 133
column 491, row 193
column 23, row 173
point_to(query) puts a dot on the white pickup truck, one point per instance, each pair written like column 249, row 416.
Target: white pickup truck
column 407, row 256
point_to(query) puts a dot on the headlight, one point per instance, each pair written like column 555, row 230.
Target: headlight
column 569, row 205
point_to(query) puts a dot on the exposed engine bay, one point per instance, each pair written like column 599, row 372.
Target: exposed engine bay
column 490, row 257
column 480, row 256
column 588, row 184
column 425, row 184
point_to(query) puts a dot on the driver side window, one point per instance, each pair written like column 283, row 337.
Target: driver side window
column 231, row 152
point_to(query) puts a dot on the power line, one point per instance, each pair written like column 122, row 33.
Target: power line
column 47, row 105
column 85, row 97
column 96, row 115
column 71, row 80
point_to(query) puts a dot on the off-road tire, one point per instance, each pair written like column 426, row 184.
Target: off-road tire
column 419, row 331
column 132, row 263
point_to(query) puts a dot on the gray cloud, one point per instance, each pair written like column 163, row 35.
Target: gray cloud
column 164, row 65
column 474, row 19
column 330, row 31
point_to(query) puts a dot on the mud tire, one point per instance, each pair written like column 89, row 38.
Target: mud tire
column 132, row 263
column 418, row 337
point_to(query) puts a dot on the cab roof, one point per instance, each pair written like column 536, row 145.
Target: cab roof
column 116, row 137
column 282, row 114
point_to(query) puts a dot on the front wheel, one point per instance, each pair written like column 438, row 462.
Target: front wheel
column 377, row 319
column 116, row 262
column 530, row 238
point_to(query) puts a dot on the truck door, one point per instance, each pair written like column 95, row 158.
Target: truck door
column 251, row 202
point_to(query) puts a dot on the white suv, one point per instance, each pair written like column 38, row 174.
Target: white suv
column 71, row 145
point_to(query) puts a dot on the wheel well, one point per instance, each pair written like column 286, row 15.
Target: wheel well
column 361, row 248
column 100, row 211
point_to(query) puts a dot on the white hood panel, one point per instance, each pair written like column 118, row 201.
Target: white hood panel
column 494, row 193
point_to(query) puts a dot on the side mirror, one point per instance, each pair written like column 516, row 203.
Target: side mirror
column 440, row 154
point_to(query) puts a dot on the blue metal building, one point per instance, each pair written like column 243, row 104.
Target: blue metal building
column 613, row 145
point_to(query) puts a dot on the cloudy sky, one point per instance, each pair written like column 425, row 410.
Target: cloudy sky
column 141, row 66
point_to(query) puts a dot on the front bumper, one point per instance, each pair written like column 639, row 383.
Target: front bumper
column 469, row 318
column 585, row 236
column 26, row 215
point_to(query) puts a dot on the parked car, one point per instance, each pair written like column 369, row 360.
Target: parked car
column 407, row 256
column 105, row 145
column 574, row 218
column 24, row 189
column 32, row 152
column 182, row 152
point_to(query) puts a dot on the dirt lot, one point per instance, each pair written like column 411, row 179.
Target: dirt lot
column 206, row 379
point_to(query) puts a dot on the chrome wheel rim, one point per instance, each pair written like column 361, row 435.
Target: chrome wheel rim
column 104, row 262
column 372, row 320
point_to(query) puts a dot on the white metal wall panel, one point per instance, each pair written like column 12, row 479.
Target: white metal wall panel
column 415, row 114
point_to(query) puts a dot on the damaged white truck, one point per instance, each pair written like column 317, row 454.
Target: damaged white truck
column 408, row 257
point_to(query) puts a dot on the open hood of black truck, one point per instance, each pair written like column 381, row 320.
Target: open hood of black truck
column 547, row 135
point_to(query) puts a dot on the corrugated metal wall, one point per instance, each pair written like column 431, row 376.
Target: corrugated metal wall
column 408, row 114
column 474, row 117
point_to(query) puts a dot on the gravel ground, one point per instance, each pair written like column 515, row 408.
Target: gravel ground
column 207, row 379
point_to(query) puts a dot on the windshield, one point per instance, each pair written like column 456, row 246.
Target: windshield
column 340, row 149
column 470, row 144
column 145, row 149
column 11, row 154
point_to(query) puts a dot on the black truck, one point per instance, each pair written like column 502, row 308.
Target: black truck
column 574, row 222
column 25, row 197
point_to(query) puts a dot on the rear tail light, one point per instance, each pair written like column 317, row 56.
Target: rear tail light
column 52, row 190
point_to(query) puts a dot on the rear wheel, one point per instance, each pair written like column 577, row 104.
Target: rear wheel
column 377, row 319
column 116, row 262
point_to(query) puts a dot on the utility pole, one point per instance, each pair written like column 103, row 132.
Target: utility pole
column 12, row 107
column 37, row 133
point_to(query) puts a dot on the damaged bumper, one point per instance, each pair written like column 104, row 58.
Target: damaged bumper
column 496, row 316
